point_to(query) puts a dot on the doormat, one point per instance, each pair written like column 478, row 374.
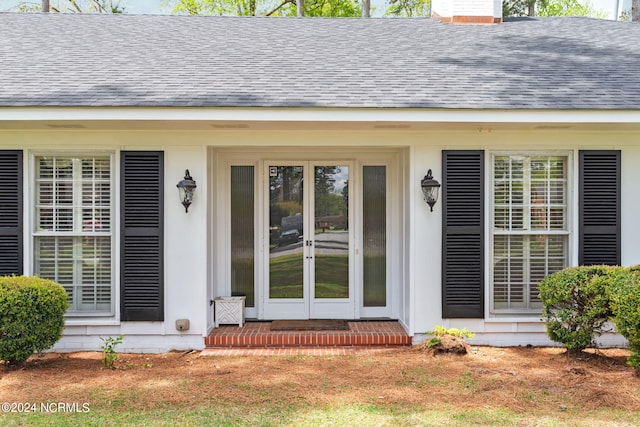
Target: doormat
column 309, row 325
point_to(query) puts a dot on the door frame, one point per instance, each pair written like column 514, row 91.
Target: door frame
column 307, row 307
column 219, row 268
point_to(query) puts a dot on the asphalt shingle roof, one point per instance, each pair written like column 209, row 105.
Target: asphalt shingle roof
column 144, row 60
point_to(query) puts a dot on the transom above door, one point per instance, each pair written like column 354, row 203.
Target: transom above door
column 309, row 249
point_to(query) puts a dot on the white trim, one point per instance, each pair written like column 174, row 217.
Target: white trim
column 30, row 234
column 223, row 158
column 91, row 321
column 333, row 307
column 219, row 232
column 28, row 200
column 250, row 312
column 240, row 114
column 148, row 342
column 308, row 306
column 382, row 311
column 283, row 308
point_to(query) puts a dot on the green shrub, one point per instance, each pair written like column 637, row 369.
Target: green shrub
column 31, row 316
column 109, row 355
column 624, row 298
column 439, row 331
column 575, row 304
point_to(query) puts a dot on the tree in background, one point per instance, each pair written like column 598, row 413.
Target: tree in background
column 328, row 8
column 518, row 8
column 410, row 8
column 218, row 7
column 74, row 6
column 568, row 8
column 635, row 10
column 325, row 8
column 549, row 8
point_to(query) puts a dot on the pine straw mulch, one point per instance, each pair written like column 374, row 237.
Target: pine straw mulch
column 524, row 380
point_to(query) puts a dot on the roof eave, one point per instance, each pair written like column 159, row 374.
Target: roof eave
column 308, row 114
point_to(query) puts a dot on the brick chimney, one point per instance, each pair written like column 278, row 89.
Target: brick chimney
column 467, row 11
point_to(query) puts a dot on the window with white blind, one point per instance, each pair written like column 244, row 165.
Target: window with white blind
column 530, row 233
column 73, row 236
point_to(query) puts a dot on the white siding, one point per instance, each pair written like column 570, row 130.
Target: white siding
column 190, row 280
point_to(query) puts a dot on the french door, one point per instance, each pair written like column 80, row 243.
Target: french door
column 309, row 248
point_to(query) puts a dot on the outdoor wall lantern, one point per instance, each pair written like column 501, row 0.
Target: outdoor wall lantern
column 430, row 189
column 186, row 187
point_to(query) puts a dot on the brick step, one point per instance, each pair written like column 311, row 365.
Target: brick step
column 360, row 334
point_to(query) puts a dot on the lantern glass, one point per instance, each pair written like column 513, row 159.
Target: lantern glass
column 186, row 195
column 186, row 188
column 430, row 189
column 430, row 195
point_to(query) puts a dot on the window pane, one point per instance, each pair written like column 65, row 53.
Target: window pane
column 517, row 219
column 242, row 233
column 501, row 220
column 374, row 218
column 517, row 167
column 286, row 213
column 45, row 168
column 82, row 265
column 517, row 192
column 501, row 168
column 63, row 168
column 331, row 231
column 73, row 195
column 45, row 219
column 530, row 193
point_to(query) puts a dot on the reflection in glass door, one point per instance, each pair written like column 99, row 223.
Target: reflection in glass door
column 331, row 275
column 331, row 232
column 286, row 232
column 309, row 269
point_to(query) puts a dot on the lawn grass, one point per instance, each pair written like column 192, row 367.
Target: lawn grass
column 373, row 414
column 286, row 276
column 331, row 274
column 400, row 387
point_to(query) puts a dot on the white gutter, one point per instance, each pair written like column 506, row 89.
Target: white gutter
column 366, row 115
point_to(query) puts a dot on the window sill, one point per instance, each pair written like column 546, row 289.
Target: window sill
column 510, row 318
column 91, row 321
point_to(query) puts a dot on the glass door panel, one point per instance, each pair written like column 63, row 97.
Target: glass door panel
column 286, row 232
column 331, row 232
column 310, row 241
column 374, row 233
column 242, row 233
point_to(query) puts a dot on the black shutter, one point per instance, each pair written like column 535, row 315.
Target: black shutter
column 463, row 234
column 11, row 212
column 599, row 207
column 142, row 223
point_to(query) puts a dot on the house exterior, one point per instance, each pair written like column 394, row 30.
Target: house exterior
column 308, row 140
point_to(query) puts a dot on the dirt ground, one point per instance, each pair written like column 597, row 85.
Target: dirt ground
column 519, row 379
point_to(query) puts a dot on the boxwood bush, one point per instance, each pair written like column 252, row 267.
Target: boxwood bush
column 575, row 304
column 624, row 298
column 31, row 316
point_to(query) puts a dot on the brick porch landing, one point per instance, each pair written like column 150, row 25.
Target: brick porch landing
column 293, row 351
column 259, row 335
